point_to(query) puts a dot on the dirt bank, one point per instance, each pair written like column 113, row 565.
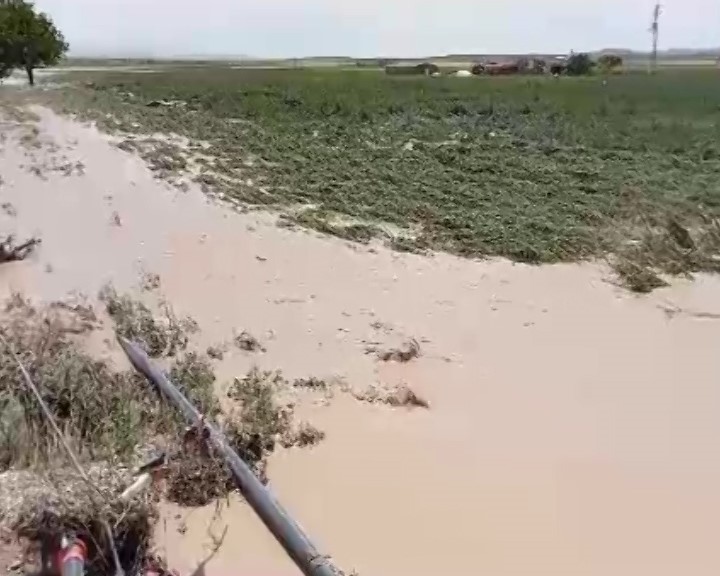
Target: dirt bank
column 572, row 426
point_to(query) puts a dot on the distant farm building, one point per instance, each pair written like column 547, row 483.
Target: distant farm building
column 502, row 68
column 413, row 69
column 520, row 66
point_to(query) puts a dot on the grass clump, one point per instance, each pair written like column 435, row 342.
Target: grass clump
column 135, row 321
column 104, row 413
column 195, row 378
column 397, row 397
column 256, row 425
column 260, row 421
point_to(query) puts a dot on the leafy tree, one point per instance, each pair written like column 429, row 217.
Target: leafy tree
column 28, row 39
column 579, row 64
column 610, row 62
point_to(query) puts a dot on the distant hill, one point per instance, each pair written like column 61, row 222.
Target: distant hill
column 669, row 54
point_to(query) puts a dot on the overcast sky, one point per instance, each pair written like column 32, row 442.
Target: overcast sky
column 279, row 28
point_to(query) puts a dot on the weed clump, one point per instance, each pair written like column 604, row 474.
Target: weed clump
column 134, row 321
column 215, row 352
column 668, row 246
column 12, row 252
column 408, row 351
column 397, row 396
column 104, row 413
column 260, row 421
column 194, row 377
column 307, row 435
column 247, row 342
column 637, row 278
column 257, row 424
column 312, row 383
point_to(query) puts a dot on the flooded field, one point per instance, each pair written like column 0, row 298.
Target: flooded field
column 571, row 426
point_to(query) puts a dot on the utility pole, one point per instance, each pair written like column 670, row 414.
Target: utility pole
column 655, row 31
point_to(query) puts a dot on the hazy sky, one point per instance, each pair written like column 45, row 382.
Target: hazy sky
column 276, row 28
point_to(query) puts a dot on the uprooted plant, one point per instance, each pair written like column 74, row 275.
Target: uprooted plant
column 665, row 244
column 12, row 252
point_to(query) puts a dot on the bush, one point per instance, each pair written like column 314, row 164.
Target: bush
column 579, row 64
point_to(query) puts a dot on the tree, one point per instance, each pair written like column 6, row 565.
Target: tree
column 579, row 64
column 28, row 39
column 610, row 62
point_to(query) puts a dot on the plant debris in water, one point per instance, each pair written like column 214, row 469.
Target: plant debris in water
column 194, row 377
column 408, row 351
column 215, row 352
column 135, row 321
column 311, row 383
column 397, row 396
column 247, row 342
column 109, row 418
column 12, row 252
column 636, row 277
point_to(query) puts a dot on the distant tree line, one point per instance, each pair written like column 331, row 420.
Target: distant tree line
column 28, row 39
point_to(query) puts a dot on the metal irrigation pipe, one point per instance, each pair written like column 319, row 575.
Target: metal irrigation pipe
column 292, row 538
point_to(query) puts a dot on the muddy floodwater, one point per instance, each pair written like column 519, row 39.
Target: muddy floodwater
column 573, row 427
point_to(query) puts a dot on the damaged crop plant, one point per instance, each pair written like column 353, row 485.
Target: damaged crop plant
column 529, row 168
column 114, row 421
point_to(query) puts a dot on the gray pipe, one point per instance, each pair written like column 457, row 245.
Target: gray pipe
column 286, row 531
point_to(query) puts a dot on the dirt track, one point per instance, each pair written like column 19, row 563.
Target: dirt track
column 572, row 429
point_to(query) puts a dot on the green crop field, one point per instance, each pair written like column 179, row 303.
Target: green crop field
column 533, row 169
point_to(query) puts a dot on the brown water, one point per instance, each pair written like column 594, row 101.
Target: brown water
column 573, row 427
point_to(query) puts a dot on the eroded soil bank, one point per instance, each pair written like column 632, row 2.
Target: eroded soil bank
column 572, row 426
